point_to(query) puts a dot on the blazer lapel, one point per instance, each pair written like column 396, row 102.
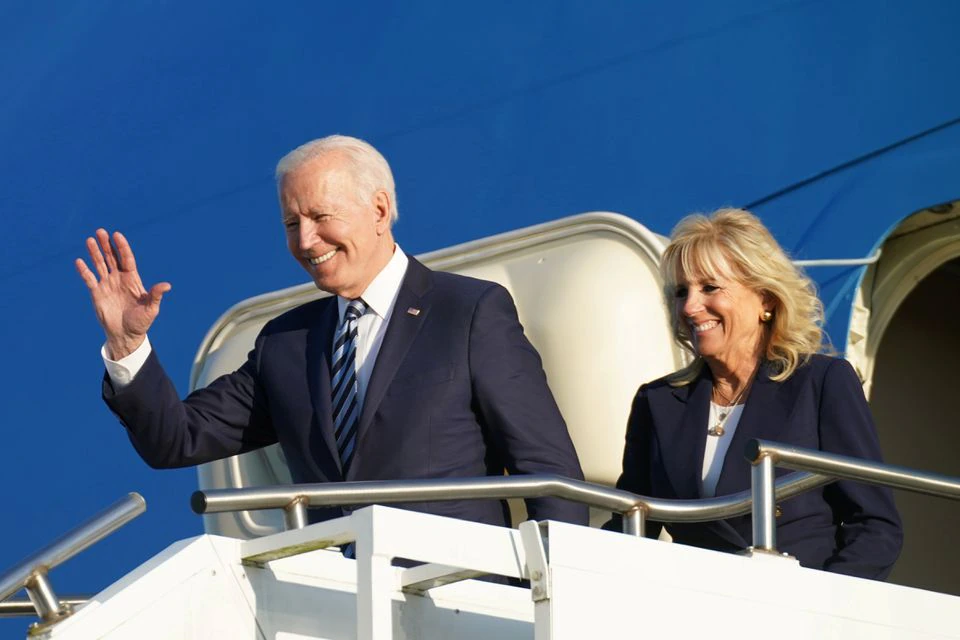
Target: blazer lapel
column 319, row 346
column 683, row 439
column 764, row 416
column 683, row 444
column 401, row 331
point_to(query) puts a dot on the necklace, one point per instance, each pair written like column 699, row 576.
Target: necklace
column 723, row 413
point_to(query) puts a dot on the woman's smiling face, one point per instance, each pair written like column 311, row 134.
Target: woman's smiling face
column 723, row 317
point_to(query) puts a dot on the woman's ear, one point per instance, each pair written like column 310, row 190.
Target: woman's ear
column 768, row 301
column 768, row 304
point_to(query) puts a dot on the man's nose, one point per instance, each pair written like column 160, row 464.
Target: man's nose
column 307, row 234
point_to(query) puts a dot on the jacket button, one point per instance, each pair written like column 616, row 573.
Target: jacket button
column 778, row 511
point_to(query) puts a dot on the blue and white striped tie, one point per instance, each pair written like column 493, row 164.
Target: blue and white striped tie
column 343, row 376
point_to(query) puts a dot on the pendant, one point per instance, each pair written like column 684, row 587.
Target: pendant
column 717, row 430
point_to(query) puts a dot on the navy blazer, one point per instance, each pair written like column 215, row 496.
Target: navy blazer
column 457, row 391
column 844, row 527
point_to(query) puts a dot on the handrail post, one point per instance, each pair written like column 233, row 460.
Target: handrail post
column 44, row 600
column 841, row 467
column 70, row 544
column 295, row 513
column 634, row 522
column 761, row 486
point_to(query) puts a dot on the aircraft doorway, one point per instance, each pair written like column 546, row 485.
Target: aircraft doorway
column 914, row 399
column 912, row 364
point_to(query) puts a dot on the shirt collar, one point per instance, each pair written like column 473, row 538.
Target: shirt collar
column 381, row 293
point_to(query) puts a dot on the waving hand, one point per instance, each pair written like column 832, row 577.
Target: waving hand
column 123, row 306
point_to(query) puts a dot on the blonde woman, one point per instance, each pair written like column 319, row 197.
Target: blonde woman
column 752, row 322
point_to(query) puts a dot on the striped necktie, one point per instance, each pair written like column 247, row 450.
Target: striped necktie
column 346, row 408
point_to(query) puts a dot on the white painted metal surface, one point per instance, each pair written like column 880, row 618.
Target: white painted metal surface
column 217, row 587
column 594, row 584
column 638, row 587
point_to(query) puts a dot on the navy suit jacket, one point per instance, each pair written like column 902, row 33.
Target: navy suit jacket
column 457, row 390
column 844, row 527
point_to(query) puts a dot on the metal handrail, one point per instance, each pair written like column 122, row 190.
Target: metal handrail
column 765, row 456
column 635, row 509
column 31, row 573
column 840, row 262
column 21, row 607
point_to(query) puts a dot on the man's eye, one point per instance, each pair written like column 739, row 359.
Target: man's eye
column 681, row 292
column 291, row 224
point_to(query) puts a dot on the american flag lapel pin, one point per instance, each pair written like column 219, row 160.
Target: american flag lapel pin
column 413, row 311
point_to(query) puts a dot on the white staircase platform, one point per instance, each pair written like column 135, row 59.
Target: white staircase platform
column 583, row 583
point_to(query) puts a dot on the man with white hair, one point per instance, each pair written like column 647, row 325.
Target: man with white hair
column 401, row 373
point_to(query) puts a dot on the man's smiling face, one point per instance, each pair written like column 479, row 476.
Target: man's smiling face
column 339, row 236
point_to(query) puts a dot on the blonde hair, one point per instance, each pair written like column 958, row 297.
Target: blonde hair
column 734, row 243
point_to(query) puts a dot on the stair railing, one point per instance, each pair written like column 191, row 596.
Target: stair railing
column 32, row 574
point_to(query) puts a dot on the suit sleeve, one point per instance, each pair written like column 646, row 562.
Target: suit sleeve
column 516, row 407
column 635, row 477
column 869, row 533
column 223, row 419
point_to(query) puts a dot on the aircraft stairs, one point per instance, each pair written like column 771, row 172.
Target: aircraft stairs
column 578, row 581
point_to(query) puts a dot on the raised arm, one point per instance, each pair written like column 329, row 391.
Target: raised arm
column 124, row 307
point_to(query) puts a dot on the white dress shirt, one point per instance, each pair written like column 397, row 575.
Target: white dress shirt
column 379, row 296
column 122, row 371
column 716, row 450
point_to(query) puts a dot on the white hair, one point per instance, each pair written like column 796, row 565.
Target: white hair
column 368, row 167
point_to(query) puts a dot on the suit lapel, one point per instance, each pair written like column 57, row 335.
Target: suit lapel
column 401, row 331
column 319, row 345
column 683, row 438
column 764, row 416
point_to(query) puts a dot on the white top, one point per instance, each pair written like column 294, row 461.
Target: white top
column 380, row 297
column 716, row 449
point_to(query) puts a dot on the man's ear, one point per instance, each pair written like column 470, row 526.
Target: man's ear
column 381, row 204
